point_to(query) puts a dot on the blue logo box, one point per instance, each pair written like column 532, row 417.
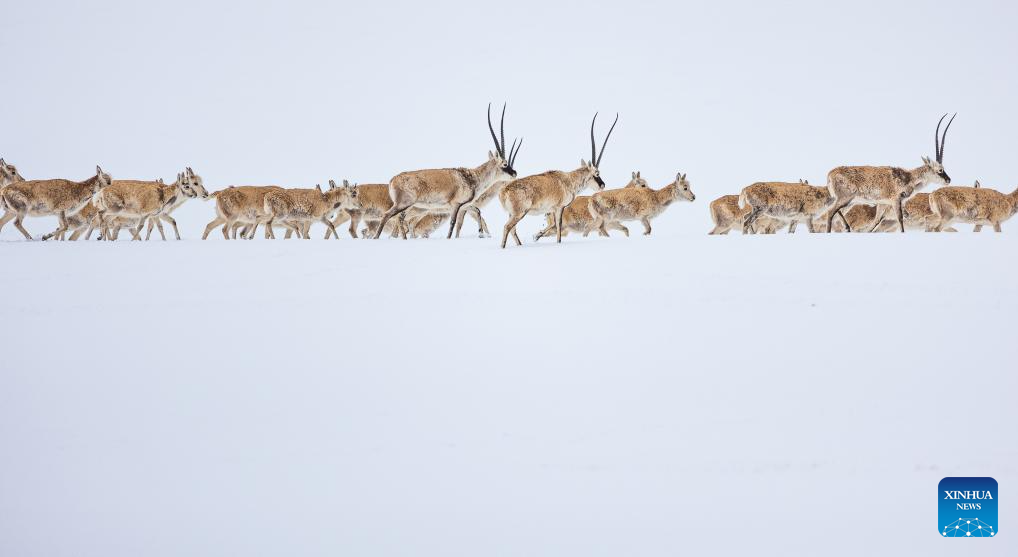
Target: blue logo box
column 968, row 507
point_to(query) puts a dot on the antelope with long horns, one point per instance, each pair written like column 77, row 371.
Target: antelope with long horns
column 886, row 186
column 42, row 198
column 449, row 189
column 551, row 191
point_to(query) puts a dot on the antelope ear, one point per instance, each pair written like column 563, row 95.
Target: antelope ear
column 346, row 182
column 318, row 187
column 2, row 163
column 977, row 183
column 926, row 160
column 634, row 175
column 637, row 173
column 491, row 155
column 98, row 170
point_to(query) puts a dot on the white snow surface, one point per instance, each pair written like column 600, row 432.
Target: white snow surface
column 663, row 395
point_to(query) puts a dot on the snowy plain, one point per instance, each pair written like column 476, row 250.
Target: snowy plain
column 678, row 394
column 672, row 394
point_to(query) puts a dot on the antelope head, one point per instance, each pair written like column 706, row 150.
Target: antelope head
column 637, row 181
column 193, row 186
column 504, row 161
column 933, row 170
column 9, row 174
column 594, row 166
column 342, row 197
column 682, row 185
column 102, row 179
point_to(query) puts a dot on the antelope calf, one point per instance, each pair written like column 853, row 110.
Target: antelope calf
column 552, row 191
column 193, row 189
column 577, row 217
column 421, row 223
column 84, row 222
column 395, row 228
column 887, row 187
column 642, row 204
column 786, row 201
column 244, row 205
column 449, row 189
column 372, row 202
column 41, row 198
column 298, row 208
column 858, row 218
column 137, row 199
column 975, row 205
column 918, row 215
column 727, row 214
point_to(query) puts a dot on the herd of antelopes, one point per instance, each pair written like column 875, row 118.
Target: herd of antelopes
column 864, row 198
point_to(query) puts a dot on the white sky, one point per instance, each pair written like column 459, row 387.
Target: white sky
column 296, row 93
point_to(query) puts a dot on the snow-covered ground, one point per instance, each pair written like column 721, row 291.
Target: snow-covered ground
column 677, row 394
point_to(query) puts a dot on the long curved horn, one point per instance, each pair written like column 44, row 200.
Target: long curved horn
column 501, row 130
column 936, row 138
column 513, row 153
column 943, row 138
column 593, row 145
column 495, row 138
column 605, row 144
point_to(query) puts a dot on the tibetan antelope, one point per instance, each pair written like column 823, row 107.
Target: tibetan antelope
column 727, row 214
column 551, row 191
column 786, row 201
column 298, row 208
column 195, row 189
column 417, row 223
column 137, row 199
column 450, row 189
column 577, row 217
column 886, row 186
column 917, row 214
column 642, row 204
column 975, row 205
column 41, row 198
column 421, row 223
column 244, row 205
column 372, row 202
column 85, row 221
column 860, row 218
